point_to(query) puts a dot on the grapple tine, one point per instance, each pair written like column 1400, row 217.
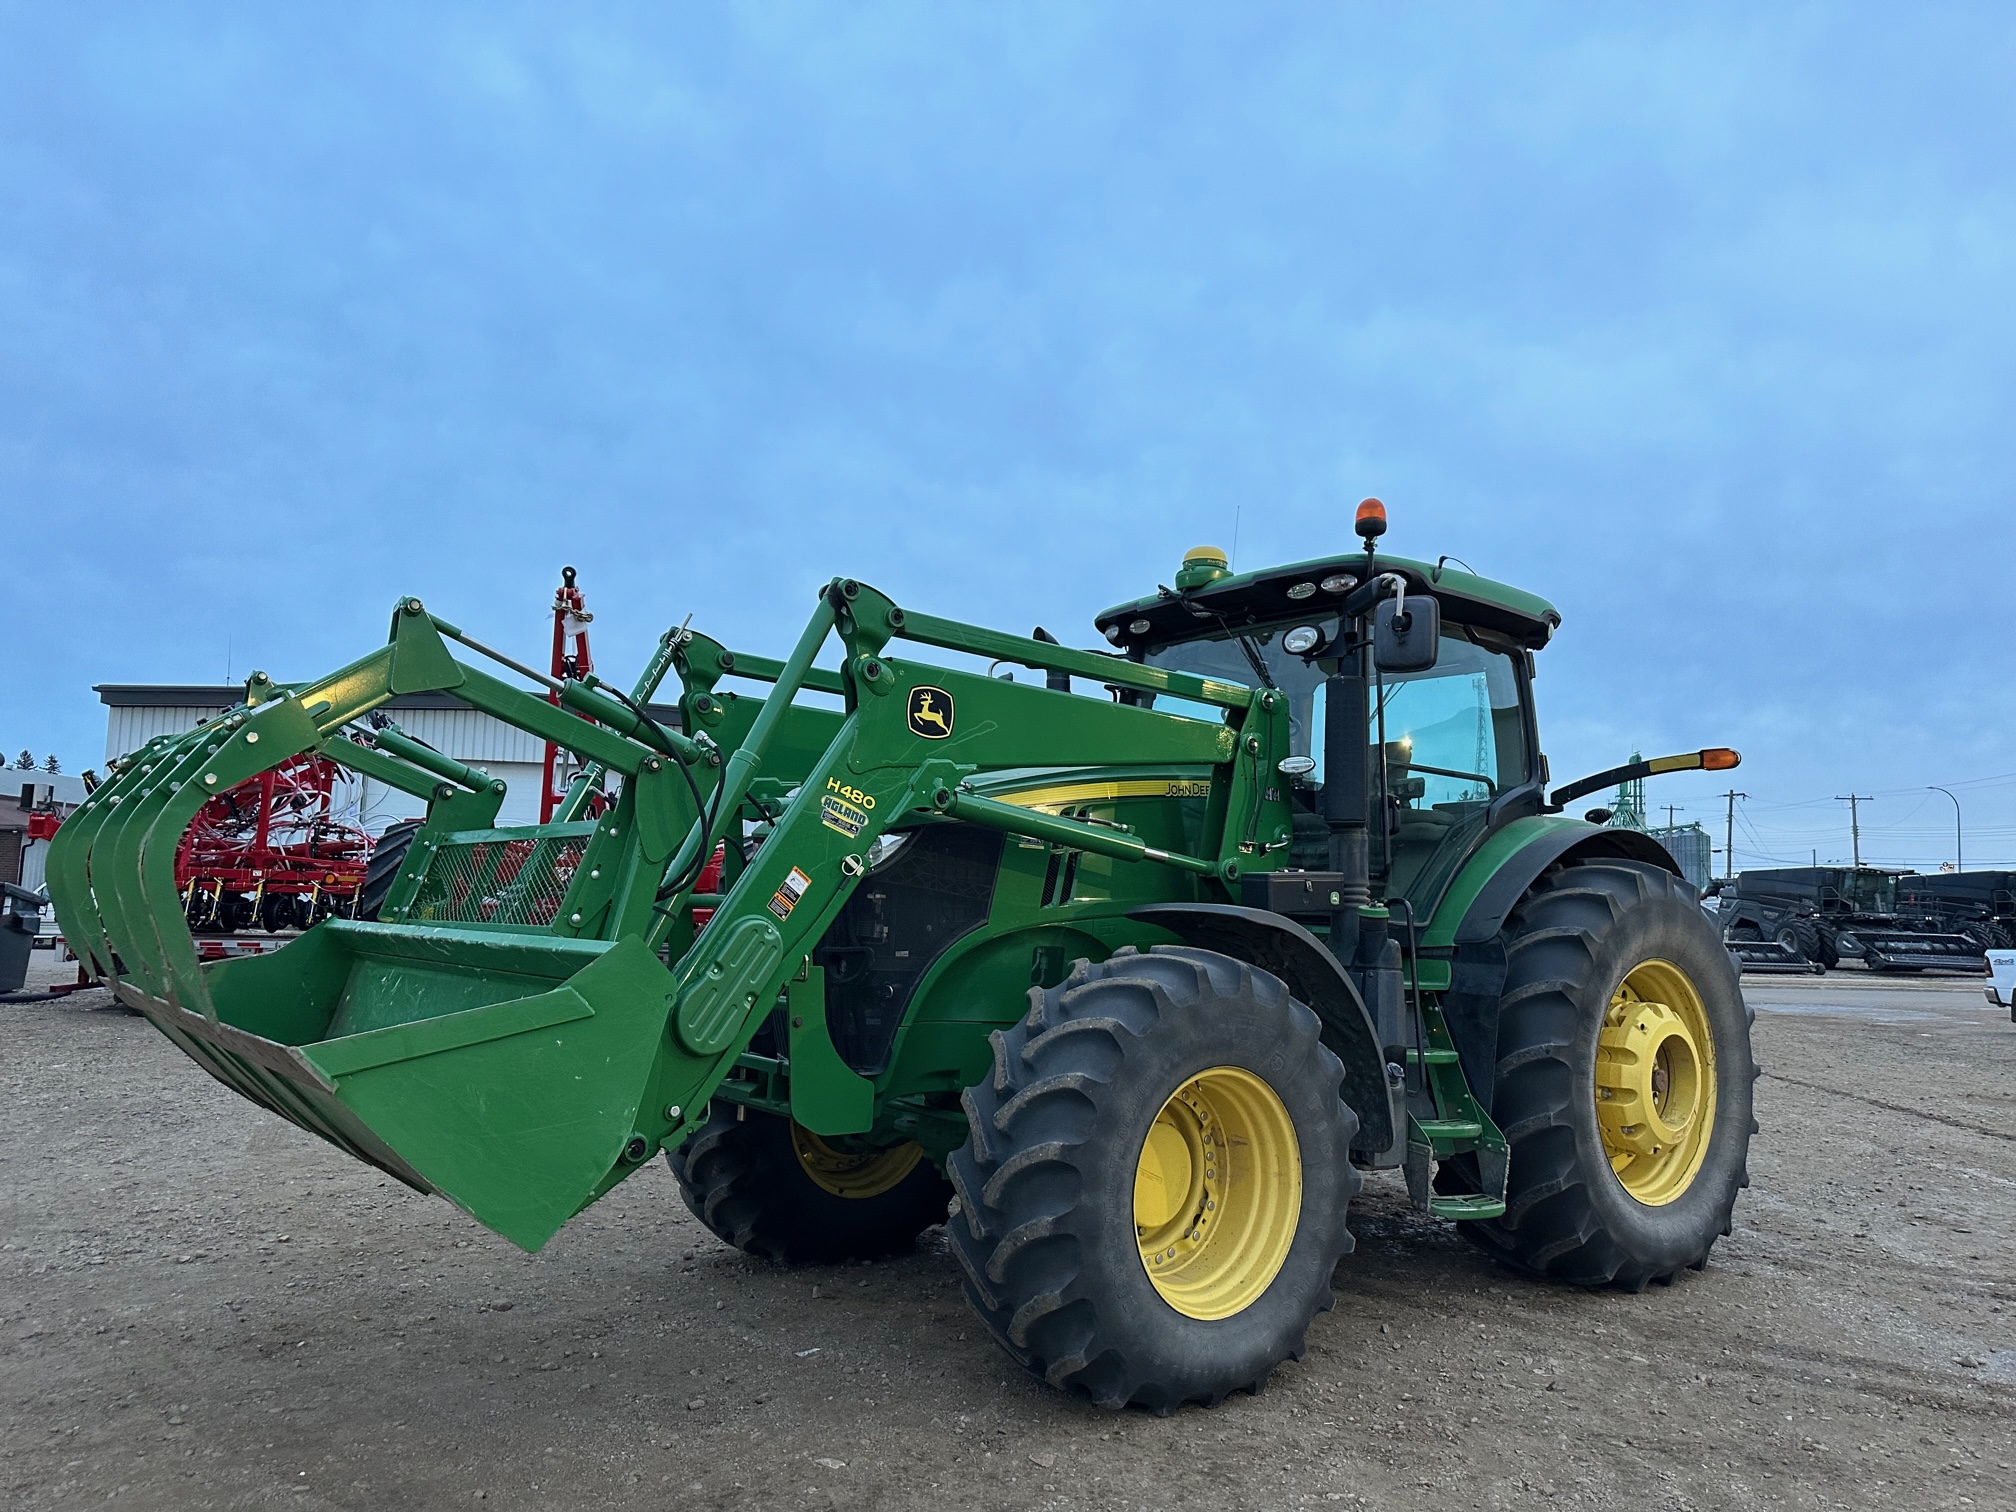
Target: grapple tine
column 133, row 878
column 70, row 873
column 103, row 875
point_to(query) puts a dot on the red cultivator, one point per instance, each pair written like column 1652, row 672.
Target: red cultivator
column 268, row 851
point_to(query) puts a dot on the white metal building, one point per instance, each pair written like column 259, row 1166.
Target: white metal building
column 22, row 791
column 136, row 714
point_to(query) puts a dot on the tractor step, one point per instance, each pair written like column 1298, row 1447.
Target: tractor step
column 1448, row 1132
column 1466, row 1209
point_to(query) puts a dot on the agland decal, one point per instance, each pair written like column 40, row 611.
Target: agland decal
column 843, row 808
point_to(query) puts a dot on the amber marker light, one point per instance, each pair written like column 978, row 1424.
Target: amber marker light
column 1371, row 519
column 1720, row 759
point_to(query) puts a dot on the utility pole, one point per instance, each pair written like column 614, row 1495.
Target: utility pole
column 1671, row 809
column 1729, row 833
column 1959, row 861
column 1855, row 802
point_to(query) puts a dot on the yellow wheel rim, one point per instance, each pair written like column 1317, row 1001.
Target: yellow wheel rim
column 845, row 1174
column 1655, row 1082
column 1217, row 1193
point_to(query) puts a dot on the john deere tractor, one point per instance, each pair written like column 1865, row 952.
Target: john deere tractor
column 1135, row 962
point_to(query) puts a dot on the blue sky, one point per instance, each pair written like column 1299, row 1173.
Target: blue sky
column 1701, row 322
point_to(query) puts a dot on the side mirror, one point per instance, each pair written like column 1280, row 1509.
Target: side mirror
column 1409, row 640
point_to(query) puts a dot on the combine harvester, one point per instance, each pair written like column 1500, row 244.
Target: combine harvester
column 1145, row 975
column 1811, row 918
column 1979, row 904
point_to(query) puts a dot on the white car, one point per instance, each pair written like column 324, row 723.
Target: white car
column 2001, row 988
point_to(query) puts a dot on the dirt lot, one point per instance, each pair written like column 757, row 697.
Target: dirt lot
column 202, row 1307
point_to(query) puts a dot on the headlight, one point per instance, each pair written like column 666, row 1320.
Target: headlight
column 1302, row 640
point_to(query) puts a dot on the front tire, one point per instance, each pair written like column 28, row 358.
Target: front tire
column 1153, row 1194
column 767, row 1186
column 1623, row 1081
column 1802, row 936
column 381, row 868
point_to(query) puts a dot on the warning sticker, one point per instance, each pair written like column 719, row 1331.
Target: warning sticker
column 839, row 814
column 786, row 897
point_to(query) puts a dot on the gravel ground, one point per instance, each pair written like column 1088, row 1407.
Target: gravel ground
column 201, row 1306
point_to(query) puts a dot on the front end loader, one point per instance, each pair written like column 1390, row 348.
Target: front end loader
column 1135, row 966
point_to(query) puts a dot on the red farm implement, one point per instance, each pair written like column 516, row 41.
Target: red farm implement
column 270, row 851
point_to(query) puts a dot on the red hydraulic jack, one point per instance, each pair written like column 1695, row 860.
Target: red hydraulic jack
column 571, row 658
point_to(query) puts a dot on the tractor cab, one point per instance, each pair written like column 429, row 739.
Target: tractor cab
column 1451, row 749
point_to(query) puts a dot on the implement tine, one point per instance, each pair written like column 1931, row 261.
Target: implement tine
column 84, row 925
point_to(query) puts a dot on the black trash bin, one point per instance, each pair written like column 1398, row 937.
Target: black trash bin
column 20, row 917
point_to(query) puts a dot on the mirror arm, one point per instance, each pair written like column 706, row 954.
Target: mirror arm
column 1713, row 759
column 1366, row 596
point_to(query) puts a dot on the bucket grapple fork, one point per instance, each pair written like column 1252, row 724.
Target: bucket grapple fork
column 534, row 1015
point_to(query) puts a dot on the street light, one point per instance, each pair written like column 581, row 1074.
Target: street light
column 1959, row 861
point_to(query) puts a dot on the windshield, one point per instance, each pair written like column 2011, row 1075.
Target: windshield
column 1456, row 726
column 1222, row 658
column 1455, row 739
column 1870, row 891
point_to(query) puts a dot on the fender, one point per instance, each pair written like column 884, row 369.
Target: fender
column 1474, row 910
column 1283, row 947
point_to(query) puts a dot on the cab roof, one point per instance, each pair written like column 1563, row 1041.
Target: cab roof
column 1263, row 598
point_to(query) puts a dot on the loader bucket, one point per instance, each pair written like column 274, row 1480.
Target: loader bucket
column 500, row 1064
column 505, row 1072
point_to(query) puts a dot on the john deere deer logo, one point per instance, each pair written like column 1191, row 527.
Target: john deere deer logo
column 930, row 713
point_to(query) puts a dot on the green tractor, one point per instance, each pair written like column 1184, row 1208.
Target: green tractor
column 1135, row 965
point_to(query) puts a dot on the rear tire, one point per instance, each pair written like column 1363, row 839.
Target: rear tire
column 767, row 1186
column 1084, row 1156
column 1571, row 944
